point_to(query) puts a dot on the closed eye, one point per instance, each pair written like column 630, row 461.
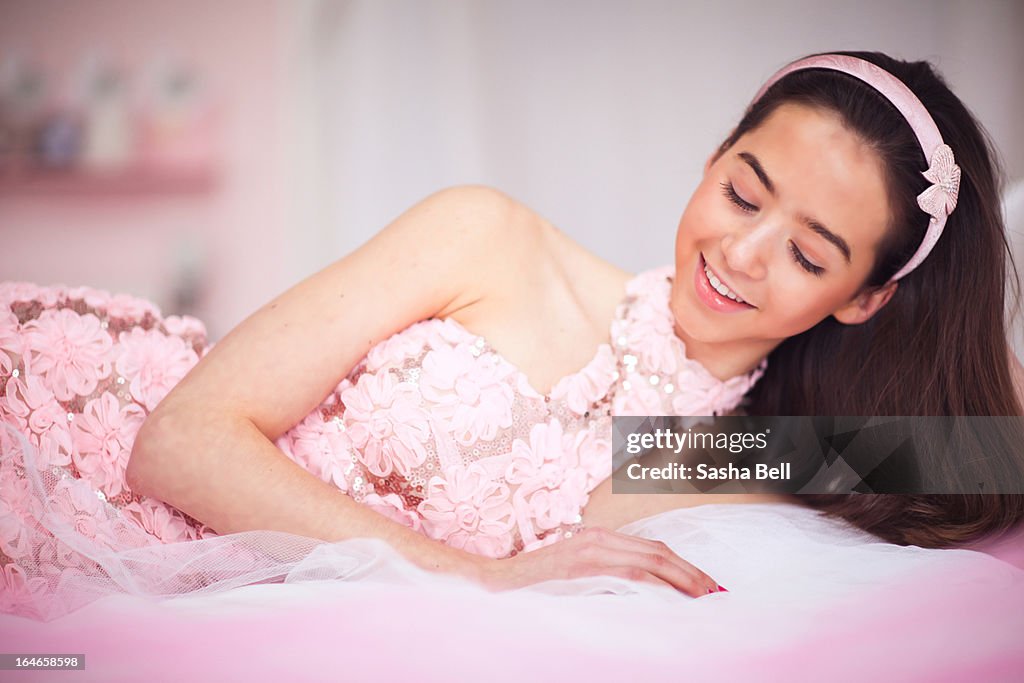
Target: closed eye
column 802, row 261
column 732, row 196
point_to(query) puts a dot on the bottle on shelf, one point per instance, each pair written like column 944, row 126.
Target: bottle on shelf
column 108, row 133
column 178, row 123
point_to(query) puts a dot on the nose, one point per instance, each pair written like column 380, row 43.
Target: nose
column 746, row 250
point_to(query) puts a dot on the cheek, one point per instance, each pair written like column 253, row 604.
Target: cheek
column 699, row 219
column 799, row 305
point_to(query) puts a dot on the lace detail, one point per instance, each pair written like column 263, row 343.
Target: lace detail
column 442, row 434
column 79, row 371
column 433, row 429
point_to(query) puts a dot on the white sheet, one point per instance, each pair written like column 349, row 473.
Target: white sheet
column 809, row 599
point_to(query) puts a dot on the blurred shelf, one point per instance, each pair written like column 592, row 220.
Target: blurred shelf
column 123, row 181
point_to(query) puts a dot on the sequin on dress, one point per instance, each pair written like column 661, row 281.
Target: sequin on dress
column 433, row 428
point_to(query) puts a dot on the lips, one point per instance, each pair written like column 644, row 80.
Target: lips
column 711, row 297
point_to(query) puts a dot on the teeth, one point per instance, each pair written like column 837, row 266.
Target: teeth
column 720, row 287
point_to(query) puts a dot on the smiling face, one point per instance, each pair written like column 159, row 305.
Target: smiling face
column 787, row 220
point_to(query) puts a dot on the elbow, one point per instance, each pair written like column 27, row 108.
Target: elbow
column 148, row 458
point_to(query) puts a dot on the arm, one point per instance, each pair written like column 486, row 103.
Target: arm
column 207, row 448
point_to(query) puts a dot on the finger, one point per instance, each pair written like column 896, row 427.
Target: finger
column 632, row 574
column 604, row 538
column 684, row 578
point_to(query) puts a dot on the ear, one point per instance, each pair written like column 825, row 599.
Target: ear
column 865, row 305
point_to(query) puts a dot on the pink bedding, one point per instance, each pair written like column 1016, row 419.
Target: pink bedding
column 810, row 599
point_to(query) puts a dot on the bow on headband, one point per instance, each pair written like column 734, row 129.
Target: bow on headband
column 940, row 199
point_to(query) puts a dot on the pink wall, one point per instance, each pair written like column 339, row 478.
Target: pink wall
column 126, row 241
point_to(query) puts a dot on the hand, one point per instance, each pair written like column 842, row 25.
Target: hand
column 600, row 552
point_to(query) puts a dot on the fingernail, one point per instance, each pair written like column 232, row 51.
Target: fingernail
column 723, row 589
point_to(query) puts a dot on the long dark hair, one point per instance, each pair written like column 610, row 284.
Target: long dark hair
column 939, row 347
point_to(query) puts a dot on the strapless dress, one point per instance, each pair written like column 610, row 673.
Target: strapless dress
column 433, row 427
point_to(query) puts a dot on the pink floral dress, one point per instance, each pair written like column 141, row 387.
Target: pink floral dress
column 433, row 428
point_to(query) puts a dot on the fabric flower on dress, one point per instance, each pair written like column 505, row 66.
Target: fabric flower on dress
column 652, row 339
column 10, row 341
column 468, row 509
column 544, row 457
column 386, row 424
column 399, row 347
column 552, row 487
column 130, row 307
column 57, row 560
column 94, row 298
column 552, row 507
column 694, row 394
column 185, row 326
column 648, row 329
column 18, row 511
column 469, row 392
column 581, row 390
column 51, row 452
column 640, row 398
column 103, row 436
column 321, row 448
column 161, row 521
column 703, row 394
column 594, row 455
column 16, row 416
column 153, row 363
column 442, row 334
column 12, row 437
column 71, row 351
column 524, row 388
column 20, row 594
column 391, row 506
column 77, row 505
column 33, row 403
column 11, row 292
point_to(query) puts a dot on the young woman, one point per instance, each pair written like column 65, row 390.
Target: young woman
column 454, row 379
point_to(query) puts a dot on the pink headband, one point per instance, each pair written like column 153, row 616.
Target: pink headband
column 939, row 200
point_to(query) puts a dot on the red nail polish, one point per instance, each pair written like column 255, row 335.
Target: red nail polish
column 723, row 589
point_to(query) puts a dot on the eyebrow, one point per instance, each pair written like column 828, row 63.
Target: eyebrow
column 816, row 226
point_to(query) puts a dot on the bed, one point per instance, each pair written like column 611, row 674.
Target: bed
column 809, row 598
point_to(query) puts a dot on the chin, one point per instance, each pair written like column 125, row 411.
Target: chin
column 691, row 326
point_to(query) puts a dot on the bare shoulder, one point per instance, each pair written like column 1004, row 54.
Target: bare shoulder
column 543, row 301
column 497, row 240
column 485, row 230
column 524, row 257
